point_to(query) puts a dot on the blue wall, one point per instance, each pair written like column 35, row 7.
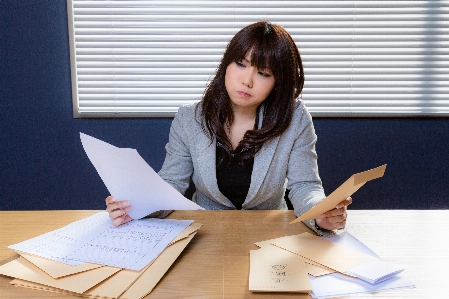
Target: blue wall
column 43, row 165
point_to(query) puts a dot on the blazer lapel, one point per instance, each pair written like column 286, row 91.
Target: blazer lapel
column 262, row 161
column 206, row 152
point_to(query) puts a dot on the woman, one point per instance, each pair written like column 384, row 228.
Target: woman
column 250, row 137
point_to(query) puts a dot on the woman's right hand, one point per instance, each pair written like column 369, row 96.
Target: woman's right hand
column 118, row 210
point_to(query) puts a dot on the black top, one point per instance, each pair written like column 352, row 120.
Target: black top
column 233, row 179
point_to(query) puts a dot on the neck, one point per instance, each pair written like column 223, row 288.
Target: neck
column 244, row 115
column 242, row 122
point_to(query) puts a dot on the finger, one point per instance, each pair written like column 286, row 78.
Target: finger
column 110, row 199
column 119, row 212
column 113, row 206
column 344, row 203
column 334, row 212
column 121, row 220
column 117, row 205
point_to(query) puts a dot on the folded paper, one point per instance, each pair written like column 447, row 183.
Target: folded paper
column 338, row 257
column 375, row 271
column 57, row 269
column 322, row 251
column 313, row 268
column 150, row 278
column 341, row 193
column 95, row 239
column 125, row 284
column 340, row 285
column 79, row 283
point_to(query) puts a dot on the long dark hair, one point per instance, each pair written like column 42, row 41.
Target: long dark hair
column 270, row 45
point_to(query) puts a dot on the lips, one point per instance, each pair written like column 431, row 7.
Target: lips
column 243, row 94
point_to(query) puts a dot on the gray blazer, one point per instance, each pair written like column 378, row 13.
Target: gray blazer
column 288, row 161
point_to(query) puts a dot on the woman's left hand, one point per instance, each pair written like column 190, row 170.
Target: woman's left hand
column 335, row 218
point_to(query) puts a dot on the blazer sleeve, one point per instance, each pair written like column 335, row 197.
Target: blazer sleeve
column 304, row 183
column 177, row 168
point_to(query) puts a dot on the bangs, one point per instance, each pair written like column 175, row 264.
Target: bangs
column 262, row 57
column 263, row 41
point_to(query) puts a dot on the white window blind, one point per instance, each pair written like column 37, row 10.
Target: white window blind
column 361, row 58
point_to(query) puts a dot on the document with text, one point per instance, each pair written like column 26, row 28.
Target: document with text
column 94, row 239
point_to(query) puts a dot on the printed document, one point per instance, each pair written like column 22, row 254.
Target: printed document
column 94, row 239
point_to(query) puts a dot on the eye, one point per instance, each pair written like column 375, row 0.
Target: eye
column 239, row 64
column 264, row 74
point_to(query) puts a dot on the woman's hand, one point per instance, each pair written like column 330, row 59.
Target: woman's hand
column 335, row 218
column 118, row 210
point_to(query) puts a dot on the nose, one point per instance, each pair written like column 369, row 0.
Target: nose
column 247, row 77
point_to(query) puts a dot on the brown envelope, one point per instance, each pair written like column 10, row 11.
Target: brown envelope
column 79, row 283
column 313, row 268
column 56, row 269
column 40, row 287
column 132, row 284
column 273, row 269
column 341, row 193
column 322, row 251
column 187, row 232
column 149, row 279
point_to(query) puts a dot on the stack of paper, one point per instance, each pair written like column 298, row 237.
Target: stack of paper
column 336, row 266
column 92, row 258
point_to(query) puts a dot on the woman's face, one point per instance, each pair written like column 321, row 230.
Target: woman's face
column 246, row 85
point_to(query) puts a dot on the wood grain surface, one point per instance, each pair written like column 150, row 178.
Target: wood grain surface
column 216, row 263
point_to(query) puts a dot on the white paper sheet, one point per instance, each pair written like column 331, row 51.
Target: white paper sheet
column 128, row 177
column 372, row 272
column 337, row 284
column 346, row 239
column 94, row 239
column 375, row 271
column 54, row 244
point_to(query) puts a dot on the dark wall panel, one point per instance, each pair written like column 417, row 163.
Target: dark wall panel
column 43, row 165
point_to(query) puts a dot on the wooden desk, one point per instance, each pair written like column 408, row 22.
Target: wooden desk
column 216, row 263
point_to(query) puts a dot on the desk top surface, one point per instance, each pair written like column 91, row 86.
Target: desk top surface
column 216, row 263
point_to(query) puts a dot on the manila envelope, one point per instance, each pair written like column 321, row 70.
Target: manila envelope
column 273, row 269
column 121, row 282
column 79, row 282
column 341, row 193
column 57, row 269
column 136, row 284
column 186, row 232
column 313, row 268
column 149, row 279
column 322, row 251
